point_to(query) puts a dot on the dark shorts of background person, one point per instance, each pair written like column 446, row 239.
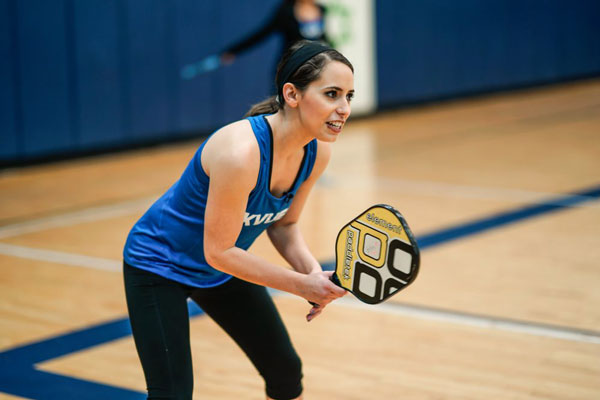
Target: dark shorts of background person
column 160, row 324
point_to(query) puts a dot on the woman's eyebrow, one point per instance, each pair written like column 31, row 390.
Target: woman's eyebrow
column 338, row 88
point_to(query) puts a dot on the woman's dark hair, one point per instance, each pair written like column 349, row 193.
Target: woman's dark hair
column 308, row 72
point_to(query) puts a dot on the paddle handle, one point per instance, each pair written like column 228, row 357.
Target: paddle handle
column 333, row 278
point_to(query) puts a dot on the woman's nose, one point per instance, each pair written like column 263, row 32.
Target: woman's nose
column 344, row 108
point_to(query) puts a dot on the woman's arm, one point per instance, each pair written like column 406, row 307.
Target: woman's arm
column 271, row 25
column 285, row 234
column 288, row 240
column 232, row 161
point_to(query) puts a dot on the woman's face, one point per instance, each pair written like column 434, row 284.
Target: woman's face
column 324, row 106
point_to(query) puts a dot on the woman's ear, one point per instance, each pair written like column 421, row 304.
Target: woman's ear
column 290, row 94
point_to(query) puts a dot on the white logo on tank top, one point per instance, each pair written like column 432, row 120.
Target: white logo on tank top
column 263, row 218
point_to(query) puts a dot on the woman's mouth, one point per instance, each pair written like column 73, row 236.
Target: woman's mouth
column 335, row 126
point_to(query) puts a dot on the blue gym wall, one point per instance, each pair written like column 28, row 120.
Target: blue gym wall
column 428, row 49
column 85, row 76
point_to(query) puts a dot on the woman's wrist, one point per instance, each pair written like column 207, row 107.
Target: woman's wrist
column 308, row 269
column 315, row 268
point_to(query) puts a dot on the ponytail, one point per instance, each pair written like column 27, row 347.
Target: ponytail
column 268, row 106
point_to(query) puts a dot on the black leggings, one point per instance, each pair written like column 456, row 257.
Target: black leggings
column 160, row 324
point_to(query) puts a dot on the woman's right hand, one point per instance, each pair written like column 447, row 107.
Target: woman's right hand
column 320, row 290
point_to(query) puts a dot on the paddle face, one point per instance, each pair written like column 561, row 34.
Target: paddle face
column 376, row 255
column 210, row 63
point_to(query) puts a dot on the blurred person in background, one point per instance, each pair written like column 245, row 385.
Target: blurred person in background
column 294, row 20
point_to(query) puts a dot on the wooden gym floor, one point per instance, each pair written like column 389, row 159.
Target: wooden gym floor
column 502, row 192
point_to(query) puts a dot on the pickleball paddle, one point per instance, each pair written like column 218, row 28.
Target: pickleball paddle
column 376, row 255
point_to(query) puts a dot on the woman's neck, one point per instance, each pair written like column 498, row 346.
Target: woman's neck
column 289, row 136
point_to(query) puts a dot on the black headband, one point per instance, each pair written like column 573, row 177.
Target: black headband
column 296, row 60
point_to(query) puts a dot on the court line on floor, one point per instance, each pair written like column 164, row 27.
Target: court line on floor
column 18, row 365
column 508, row 217
column 422, row 312
column 60, row 257
column 477, row 320
column 425, row 241
column 427, row 188
column 77, row 217
column 441, row 189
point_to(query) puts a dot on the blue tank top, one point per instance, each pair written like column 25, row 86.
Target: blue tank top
column 169, row 238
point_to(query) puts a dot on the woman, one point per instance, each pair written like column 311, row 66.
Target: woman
column 249, row 176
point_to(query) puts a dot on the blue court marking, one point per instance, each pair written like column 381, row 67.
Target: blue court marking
column 19, row 376
column 507, row 217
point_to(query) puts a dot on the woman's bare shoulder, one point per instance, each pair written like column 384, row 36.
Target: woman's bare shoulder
column 234, row 147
